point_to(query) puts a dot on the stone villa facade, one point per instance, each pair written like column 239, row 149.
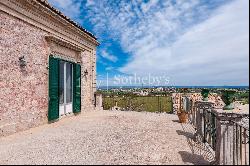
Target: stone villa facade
column 47, row 66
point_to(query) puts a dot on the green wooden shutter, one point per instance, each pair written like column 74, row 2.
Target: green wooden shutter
column 77, row 89
column 53, row 113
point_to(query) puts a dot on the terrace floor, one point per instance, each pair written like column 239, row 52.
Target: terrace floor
column 106, row 137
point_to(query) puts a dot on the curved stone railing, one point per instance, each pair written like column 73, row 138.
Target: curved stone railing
column 225, row 131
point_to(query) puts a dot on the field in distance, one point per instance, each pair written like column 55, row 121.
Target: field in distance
column 139, row 103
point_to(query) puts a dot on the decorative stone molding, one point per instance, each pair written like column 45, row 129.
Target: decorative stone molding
column 33, row 12
column 47, row 4
column 63, row 43
column 64, row 50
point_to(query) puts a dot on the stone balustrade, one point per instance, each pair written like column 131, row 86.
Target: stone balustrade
column 226, row 132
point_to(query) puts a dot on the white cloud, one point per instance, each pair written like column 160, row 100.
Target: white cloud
column 109, row 68
column 90, row 3
column 70, row 8
column 108, row 56
column 187, row 40
column 213, row 52
column 146, row 6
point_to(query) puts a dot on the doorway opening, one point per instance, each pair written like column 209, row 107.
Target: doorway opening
column 65, row 88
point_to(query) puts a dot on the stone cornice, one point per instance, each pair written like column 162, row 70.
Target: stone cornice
column 45, row 2
column 42, row 17
column 64, row 50
column 63, row 43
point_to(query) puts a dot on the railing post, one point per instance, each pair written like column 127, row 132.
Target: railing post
column 224, row 151
column 98, row 101
column 201, row 107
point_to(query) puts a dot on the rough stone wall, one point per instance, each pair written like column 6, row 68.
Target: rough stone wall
column 212, row 97
column 86, row 81
column 94, row 84
column 23, row 91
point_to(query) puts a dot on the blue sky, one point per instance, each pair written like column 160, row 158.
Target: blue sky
column 187, row 42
